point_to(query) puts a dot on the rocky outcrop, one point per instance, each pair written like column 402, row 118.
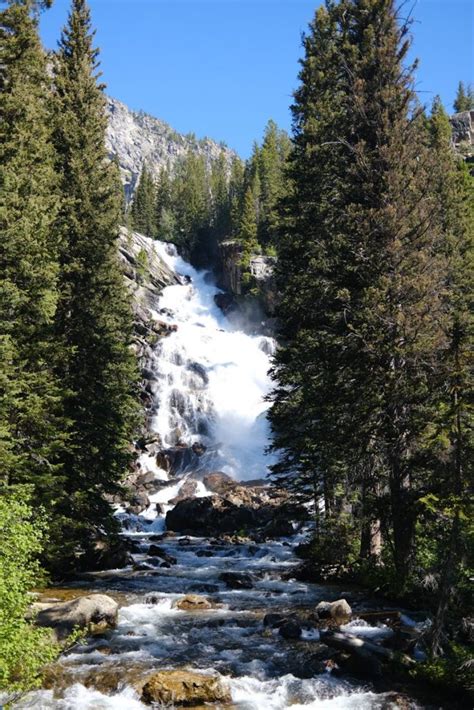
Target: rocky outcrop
column 184, row 688
column 135, row 138
column 208, row 516
column 94, row 613
column 146, row 275
column 463, row 128
column 234, row 303
column 260, row 510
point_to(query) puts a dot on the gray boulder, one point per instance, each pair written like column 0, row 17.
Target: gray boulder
column 95, row 612
column 339, row 610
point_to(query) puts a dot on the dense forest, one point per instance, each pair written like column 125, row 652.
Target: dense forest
column 370, row 213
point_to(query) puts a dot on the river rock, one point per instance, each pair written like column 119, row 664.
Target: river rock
column 185, row 688
column 193, row 602
column 279, row 527
column 93, row 612
column 208, row 516
column 187, row 490
column 290, row 629
column 157, row 551
column 273, row 620
column 339, row 610
column 138, row 503
column 237, row 580
column 104, row 553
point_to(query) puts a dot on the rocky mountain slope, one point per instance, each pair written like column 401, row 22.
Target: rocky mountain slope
column 135, row 138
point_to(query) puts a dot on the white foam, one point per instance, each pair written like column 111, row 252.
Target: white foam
column 362, row 629
column 224, row 406
column 321, row 693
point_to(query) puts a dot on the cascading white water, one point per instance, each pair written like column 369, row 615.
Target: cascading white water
column 211, row 379
column 210, row 385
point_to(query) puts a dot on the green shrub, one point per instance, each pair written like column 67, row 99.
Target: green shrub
column 24, row 649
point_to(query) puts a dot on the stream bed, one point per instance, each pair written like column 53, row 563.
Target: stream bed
column 263, row 670
column 209, row 379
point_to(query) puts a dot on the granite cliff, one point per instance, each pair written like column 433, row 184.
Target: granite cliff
column 135, row 138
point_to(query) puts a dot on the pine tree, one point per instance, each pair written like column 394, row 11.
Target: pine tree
column 362, row 309
column 30, row 412
column 143, row 207
column 453, row 425
column 220, row 218
column 191, row 197
column 93, row 320
column 165, row 220
column 272, row 160
column 464, row 100
column 236, row 194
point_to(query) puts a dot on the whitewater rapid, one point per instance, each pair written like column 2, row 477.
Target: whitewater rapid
column 212, row 379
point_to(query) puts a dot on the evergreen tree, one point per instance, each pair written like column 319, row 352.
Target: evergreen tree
column 93, row 320
column 165, row 220
column 452, row 431
column 220, row 201
column 362, row 276
column 30, row 412
column 272, row 160
column 143, row 207
column 464, row 100
column 191, row 197
column 236, row 194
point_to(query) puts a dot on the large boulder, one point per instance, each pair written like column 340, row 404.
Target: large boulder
column 95, row 612
column 185, row 688
column 105, row 553
column 208, row 516
column 338, row 610
column 290, row 629
column 236, row 580
column 138, row 503
column 187, row 490
column 220, row 483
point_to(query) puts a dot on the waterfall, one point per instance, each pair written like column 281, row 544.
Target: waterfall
column 210, row 378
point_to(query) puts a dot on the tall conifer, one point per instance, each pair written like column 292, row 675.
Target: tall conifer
column 143, row 207
column 93, row 320
column 361, row 308
column 30, row 412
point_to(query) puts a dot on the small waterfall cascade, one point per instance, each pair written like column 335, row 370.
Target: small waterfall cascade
column 209, row 382
column 210, row 379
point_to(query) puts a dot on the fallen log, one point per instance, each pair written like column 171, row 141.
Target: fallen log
column 375, row 616
column 361, row 647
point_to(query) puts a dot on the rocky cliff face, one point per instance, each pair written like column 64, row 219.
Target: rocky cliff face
column 146, row 275
column 463, row 128
column 259, row 305
column 135, row 138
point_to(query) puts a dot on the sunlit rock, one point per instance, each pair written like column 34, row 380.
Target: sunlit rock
column 185, row 688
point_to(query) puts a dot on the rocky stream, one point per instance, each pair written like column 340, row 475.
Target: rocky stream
column 207, row 609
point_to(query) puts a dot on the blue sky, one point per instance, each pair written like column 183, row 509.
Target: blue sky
column 222, row 68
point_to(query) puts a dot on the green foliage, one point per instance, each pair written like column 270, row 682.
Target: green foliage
column 464, row 100
column 453, row 673
column 142, row 209
column 93, row 318
column 31, row 421
column 24, row 649
column 372, row 375
column 142, row 264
